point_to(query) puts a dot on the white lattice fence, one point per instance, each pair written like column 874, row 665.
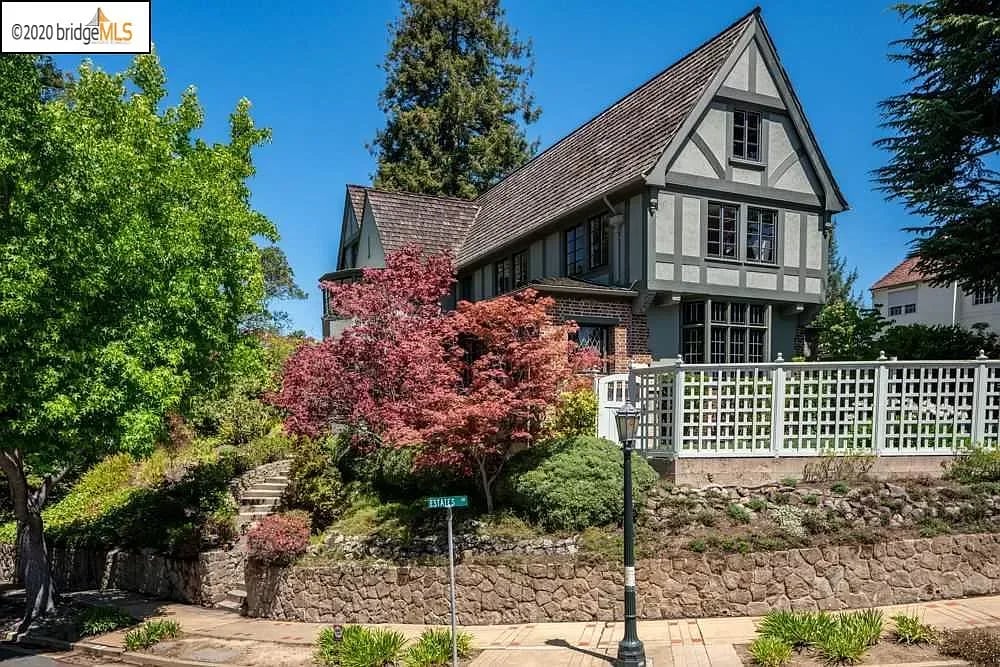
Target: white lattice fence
column 808, row 409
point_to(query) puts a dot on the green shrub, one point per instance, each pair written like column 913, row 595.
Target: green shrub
column 738, row 513
column 770, row 652
column 976, row 646
column 101, row 620
column 757, row 504
column 433, row 648
column 789, row 481
column 706, row 518
column 574, row 415
column 359, row 647
column 811, row 499
column 579, row 485
column 845, row 645
column 909, row 629
column 865, row 623
column 932, row 527
column 601, row 542
column 840, row 488
column 274, row 446
column 798, row 629
column 976, row 464
column 698, row 545
column 314, row 482
column 150, row 633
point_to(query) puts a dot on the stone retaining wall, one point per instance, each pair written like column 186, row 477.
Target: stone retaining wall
column 690, row 586
column 203, row 580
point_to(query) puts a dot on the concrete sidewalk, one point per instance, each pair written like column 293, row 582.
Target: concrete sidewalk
column 708, row 642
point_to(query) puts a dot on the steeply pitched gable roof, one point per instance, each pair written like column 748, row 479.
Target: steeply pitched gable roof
column 357, row 195
column 615, row 148
column 435, row 223
column 903, row 274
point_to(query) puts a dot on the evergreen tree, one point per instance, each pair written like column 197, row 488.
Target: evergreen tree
column 944, row 152
column 840, row 280
column 456, row 99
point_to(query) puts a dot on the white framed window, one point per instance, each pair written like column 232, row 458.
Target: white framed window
column 746, row 135
column 723, row 226
column 761, row 232
column 983, row 296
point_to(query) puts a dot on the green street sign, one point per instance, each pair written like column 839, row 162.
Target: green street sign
column 444, row 502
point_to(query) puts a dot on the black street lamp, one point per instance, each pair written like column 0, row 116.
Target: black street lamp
column 630, row 650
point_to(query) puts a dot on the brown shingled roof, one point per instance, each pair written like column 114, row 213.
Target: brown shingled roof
column 435, row 223
column 357, row 195
column 615, row 148
column 905, row 273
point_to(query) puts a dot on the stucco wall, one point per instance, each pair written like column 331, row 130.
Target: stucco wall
column 691, row 586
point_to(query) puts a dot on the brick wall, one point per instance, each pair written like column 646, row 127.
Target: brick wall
column 630, row 336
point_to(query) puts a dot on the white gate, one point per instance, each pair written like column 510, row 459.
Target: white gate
column 612, row 391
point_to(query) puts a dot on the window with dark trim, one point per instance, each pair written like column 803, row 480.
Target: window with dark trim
column 746, row 135
column 599, row 240
column 761, row 226
column 895, row 310
column 576, row 250
column 737, row 332
column 502, row 275
column 723, row 222
column 520, row 268
column 910, row 308
column 465, row 288
column 983, row 296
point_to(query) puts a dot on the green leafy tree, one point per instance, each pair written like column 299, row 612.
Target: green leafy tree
column 279, row 285
column 946, row 136
column 127, row 266
column 848, row 332
column 456, row 99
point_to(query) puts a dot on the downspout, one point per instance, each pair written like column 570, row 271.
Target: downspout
column 954, row 303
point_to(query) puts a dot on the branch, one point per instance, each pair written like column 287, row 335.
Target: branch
column 50, row 481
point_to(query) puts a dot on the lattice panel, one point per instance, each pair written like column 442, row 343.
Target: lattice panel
column 656, row 403
column 929, row 409
column 828, row 409
column 991, row 413
column 726, row 412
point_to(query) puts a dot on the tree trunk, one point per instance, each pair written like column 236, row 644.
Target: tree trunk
column 486, row 484
column 33, row 563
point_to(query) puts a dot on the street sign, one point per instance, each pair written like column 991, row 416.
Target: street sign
column 446, row 502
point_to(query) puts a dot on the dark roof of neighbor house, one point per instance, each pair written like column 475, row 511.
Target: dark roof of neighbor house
column 434, row 223
column 615, row 148
column 903, row 274
column 567, row 284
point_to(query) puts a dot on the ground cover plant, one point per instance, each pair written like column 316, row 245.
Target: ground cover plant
column 978, row 646
column 151, row 633
column 909, row 629
column 100, row 620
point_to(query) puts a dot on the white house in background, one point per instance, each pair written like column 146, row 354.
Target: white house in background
column 905, row 296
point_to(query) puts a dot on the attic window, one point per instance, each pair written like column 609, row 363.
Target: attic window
column 746, row 135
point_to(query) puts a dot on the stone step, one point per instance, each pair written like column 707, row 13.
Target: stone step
column 229, row 605
column 263, row 493
column 258, row 502
column 253, row 516
column 268, row 484
column 236, row 595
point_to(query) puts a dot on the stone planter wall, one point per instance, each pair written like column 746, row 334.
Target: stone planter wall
column 693, row 586
column 203, row 580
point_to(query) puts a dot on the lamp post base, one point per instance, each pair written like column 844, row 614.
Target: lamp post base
column 631, row 653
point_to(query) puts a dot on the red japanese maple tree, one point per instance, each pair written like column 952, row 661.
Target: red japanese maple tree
column 470, row 386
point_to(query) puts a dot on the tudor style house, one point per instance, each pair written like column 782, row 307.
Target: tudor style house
column 906, row 296
column 688, row 218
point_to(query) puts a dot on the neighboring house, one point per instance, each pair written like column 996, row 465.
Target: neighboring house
column 689, row 217
column 905, row 296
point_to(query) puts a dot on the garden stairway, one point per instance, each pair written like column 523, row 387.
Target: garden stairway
column 260, row 500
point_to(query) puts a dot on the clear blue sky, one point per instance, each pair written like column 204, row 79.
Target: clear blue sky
column 311, row 71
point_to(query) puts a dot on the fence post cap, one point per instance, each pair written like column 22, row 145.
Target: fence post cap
column 680, row 358
column 780, row 358
column 881, row 356
column 982, row 356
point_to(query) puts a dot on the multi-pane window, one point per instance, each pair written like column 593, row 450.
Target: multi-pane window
column 723, row 221
column 502, row 276
column 983, row 296
column 576, row 251
column 737, row 332
column 761, row 224
column 910, row 308
column 895, row 310
column 596, row 338
column 599, row 240
column 520, row 268
column 746, row 135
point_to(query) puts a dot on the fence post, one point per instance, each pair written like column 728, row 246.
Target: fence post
column 979, row 400
column 678, row 407
column 778, row 407
column 881, row 399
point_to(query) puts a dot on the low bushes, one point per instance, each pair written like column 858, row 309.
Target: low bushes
column 100, row 620
column 574, row 415
column 976, row 464
column 976, row 646
column 360, row 646
column 314, row 481
column 837, row 639
column 909, row 629
column 578, row 485
column 151, row 633
column 279, row 538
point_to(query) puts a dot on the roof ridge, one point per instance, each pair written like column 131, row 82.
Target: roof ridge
column 408, row 193
column 754, row 12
